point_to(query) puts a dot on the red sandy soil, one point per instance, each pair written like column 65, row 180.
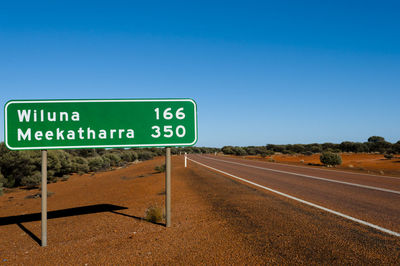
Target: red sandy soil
column 215, row 220
column 359, row 162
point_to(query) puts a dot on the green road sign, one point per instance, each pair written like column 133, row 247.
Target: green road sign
column 74, row 124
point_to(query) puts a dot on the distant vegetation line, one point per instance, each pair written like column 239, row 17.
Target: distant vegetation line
column 22, row 168
column 373, row 145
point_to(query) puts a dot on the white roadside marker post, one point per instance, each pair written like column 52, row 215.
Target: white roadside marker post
column 185, row 159
column 44, row 198
column 168, row 187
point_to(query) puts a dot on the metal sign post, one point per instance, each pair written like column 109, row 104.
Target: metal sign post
column 168, row 187
column 44, row 198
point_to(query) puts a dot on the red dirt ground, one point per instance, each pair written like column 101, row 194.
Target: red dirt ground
column 97, row 219
column 359, row 162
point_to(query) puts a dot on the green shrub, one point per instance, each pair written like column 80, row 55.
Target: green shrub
column 316, row 148
column 389, row 156
column 51, row 176
column 145, row 155
column 1, row 189
column 53, row 162
column 66, row 163
column 267, row 153
column 10, row 182
column 106, row 162
column 32, row 180
column 17, row 164
column 154, row 214
column 114, row 159
column 227, row 150
column 3, row 180
column 79, row 165
column 330, row 159
column 239, row 151
column 288, row 152
column 129, row 156
column 250, row 150
column 160, row 168
column 95, row 163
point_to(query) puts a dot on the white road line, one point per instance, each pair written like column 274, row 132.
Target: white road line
column 305, row 202
column 312, row 177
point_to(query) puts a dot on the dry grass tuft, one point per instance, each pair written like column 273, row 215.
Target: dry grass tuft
column 154, row 214
column 160, row 168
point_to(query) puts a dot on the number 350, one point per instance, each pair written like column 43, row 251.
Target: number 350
column 168, row 131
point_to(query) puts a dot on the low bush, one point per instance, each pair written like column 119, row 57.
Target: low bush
column 51, row 176
column 154, row 214
column 160, row 168
column 80, row 165
column 239, row 151
column 227, row 150
column 330, row 159
column 32, row 180
column 389, row 156
column 288, row 152
column 106, row 162
column 114, row 159
column 95, row 163
column 266, row 153
column 17, row 164
column 129, row 156
column 145, row 155
column 65, row 178
column 2, row 180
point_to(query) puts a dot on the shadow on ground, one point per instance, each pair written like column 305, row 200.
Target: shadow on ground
column 26, row 218
column 19, row 219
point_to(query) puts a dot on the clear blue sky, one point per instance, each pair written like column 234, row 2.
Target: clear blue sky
column 260, row 71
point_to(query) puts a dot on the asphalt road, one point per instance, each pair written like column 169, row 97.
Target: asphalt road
column 374, row 200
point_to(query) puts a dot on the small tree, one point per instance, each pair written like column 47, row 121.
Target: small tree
column 330, row 159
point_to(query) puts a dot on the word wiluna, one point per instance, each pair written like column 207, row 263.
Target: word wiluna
column 28, row 134
column 27, row 115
